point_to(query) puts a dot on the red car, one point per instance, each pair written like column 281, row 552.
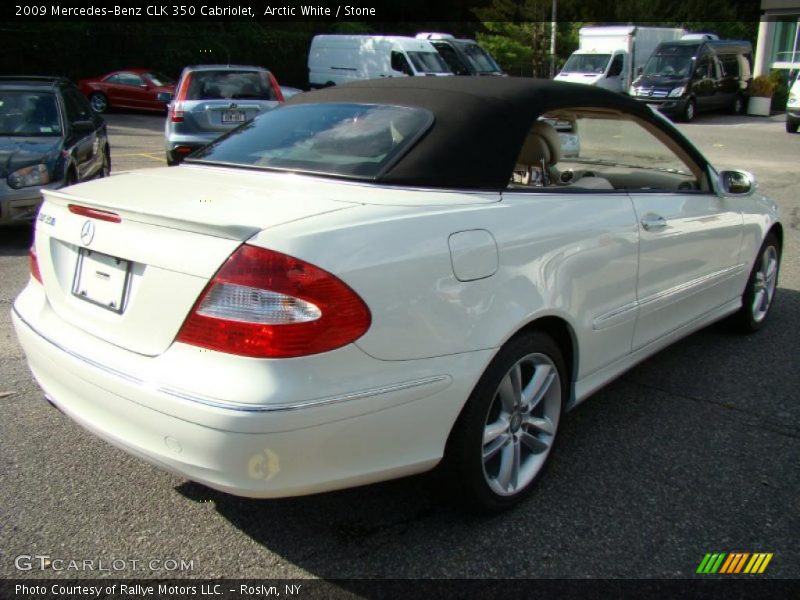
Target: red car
column 127, row 88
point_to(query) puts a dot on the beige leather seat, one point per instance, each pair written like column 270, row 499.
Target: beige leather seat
column 541, row 149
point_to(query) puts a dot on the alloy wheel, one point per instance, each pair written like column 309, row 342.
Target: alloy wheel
column 764, row 284
column 521, row 424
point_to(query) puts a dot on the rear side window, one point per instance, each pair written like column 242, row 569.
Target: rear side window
column 230, row 85
column 126, row 79
column 730, row 65
column 351, row 140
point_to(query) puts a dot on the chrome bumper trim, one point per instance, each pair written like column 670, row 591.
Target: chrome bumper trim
column 238, row 406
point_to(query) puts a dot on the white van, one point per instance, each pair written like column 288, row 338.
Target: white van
column 337, row 59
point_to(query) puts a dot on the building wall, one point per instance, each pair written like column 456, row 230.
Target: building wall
column 778, row 45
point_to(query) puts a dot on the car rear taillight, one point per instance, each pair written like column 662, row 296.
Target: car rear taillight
column 176, row 108
column 276, row 88
column 265, row 304
column 176, row 112
column 35, row 272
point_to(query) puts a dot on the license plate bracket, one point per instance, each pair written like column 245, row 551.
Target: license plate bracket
column 101, row 279
column 233, row 116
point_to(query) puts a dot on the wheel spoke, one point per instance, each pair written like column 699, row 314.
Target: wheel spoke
column 534, row 444
column 495, row 446
column 540, row 382
column 544, row 425
column 508, row 476
column 772, row 271
column 758, row 299
column 509, row 390
column 492, row 431
column 768, row 291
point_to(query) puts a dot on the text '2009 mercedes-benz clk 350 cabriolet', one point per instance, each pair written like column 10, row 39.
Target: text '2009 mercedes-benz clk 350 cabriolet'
column 377, row 276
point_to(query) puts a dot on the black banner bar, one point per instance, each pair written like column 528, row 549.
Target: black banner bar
column 312, row 589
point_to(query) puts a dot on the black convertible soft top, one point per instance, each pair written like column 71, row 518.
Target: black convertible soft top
column 480, row 123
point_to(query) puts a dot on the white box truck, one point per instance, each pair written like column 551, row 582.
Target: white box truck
column 610, row 57
column 337, row 59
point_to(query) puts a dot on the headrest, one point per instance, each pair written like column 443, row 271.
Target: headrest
column 541, row 143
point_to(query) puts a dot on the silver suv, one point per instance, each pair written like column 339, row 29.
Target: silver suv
column 213, row 99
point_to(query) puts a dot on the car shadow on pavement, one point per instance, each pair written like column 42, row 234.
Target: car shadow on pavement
column 15, row 240
column 680, row 433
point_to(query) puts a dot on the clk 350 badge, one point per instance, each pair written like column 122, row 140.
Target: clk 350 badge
column 46, row 219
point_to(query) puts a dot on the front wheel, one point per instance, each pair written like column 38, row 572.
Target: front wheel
column 792, row 125
column 737, row 106
column 505, row 434
column 689, row 111
column 759, row 294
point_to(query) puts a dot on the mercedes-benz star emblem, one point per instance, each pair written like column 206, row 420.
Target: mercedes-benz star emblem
column 87, row 232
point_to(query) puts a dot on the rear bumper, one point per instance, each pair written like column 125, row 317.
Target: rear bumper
column 383, row 420
column 193, row 141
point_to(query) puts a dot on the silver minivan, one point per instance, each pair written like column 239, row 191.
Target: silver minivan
column 213, row 99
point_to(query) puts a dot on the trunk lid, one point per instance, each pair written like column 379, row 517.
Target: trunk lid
column 222, row 115
column 133, row 282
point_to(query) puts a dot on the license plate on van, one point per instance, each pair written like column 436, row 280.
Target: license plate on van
column 101, row 279
column 233, row 116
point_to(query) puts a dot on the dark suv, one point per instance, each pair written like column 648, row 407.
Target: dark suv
column 49, row 138
column 685, row 77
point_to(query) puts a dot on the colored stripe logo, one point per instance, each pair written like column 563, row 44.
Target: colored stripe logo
column 734, row 563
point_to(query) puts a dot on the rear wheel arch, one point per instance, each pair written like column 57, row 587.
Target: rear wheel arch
column 563, row 334
column 560, row 331
column 479, row 468
column 777, row 231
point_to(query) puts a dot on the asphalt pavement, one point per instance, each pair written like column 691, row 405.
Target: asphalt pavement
column 694, row 451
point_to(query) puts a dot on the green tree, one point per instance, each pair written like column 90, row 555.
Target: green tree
column 518, row 35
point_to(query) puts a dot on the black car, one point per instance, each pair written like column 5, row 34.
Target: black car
column 685, row 77
column 49, row 138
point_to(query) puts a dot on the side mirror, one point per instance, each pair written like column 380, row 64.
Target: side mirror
column 164, row 97
column 639, row 71
column 737, row 183
column 82, row 126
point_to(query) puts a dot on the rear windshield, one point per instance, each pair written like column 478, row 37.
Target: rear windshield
column 229, row 85
column 350, row 140
column 28, row 114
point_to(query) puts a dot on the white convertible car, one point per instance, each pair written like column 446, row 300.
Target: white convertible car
column 378, row 276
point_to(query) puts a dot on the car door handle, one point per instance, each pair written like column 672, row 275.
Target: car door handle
column 653, row 222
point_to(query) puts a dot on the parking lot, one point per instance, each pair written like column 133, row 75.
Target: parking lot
column 694, row 451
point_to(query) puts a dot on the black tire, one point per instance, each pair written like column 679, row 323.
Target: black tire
column 792, row 125
column 105, row 168
column 737, row 106
column 99, row 102
column 753, row 314
column 475, row 465
column 689, row 111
